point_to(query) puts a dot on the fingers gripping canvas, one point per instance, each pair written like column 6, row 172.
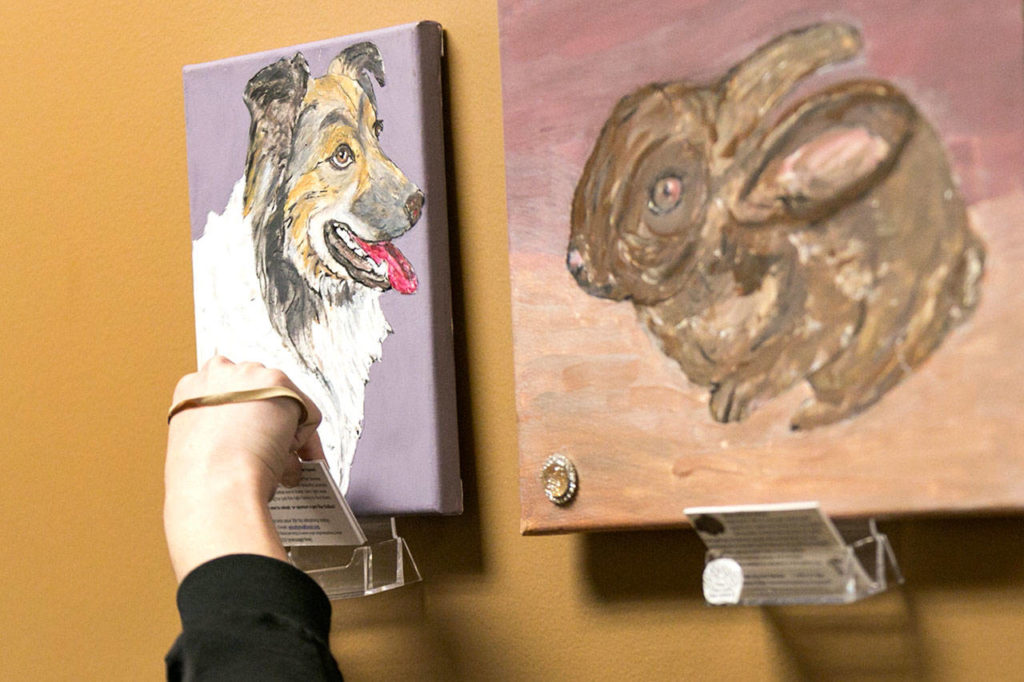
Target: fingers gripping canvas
column 320, row 248
column 777, row 241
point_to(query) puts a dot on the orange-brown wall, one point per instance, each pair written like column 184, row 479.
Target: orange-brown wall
column 96, row 327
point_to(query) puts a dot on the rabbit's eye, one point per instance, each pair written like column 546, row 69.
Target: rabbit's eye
column 666, row 194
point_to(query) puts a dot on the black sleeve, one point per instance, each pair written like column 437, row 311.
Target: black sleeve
column 247, row 617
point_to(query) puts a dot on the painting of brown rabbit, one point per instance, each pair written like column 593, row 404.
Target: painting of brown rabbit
column 764, row 252
column 761, row 254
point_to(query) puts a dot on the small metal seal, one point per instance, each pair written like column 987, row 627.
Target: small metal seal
column 560, row 479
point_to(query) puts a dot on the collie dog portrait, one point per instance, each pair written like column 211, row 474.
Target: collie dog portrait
column 291, row 273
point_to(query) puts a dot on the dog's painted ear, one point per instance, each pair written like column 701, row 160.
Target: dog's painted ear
column 359, row 62
column 274, row 96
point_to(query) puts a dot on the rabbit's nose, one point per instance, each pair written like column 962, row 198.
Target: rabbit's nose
column 574, row 261
column 584, row 277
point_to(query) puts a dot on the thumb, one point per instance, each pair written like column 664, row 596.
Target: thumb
column 312, row 448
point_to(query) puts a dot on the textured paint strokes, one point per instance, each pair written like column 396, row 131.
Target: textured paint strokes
column 828, row 244
column 322, row 203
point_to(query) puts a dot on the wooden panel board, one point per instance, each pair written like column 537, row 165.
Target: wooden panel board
column 593, row 384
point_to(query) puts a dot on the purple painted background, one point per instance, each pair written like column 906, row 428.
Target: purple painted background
column 407, row 457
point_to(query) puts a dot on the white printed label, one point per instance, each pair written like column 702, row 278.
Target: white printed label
column 788, row 552
column 314, row 512
column 723, row 581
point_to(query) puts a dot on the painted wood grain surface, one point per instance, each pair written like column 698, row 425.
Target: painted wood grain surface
column 592, row 385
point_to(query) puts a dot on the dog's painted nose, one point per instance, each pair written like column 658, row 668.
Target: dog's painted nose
column 413, row 207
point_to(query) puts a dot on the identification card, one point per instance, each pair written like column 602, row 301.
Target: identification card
column 314, row 512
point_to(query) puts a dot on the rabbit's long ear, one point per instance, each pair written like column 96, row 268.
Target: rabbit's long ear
column 759, row 82
column 830, row 149
column 274, row 96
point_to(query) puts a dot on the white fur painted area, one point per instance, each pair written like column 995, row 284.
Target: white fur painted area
column 231, row 320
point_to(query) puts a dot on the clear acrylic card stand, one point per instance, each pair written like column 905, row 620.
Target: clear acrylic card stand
column 791, row 554
column 347, row 556
column 382, row 563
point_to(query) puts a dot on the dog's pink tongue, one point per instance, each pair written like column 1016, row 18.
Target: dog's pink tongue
column 400, row 272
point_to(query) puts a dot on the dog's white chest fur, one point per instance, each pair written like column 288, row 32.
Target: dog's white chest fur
column 232, row 320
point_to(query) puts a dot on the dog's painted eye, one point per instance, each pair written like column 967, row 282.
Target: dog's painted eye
column 342, row 157
column 378, row 128
column 666, row 194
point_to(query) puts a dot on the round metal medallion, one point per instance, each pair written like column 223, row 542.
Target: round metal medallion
column 560, row 479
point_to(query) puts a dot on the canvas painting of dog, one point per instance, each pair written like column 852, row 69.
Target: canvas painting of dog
column 316, row 235
column 761, row 252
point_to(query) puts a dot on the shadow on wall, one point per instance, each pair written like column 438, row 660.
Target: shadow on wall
column 643, row 565
column 961, row 554
column 383, row 637
column 878, row 638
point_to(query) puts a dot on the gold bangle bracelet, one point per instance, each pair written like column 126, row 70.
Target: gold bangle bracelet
column 243, row 397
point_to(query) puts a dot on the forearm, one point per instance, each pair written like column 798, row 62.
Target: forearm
column 246, row 614
column 215, row 506
column 201, row 528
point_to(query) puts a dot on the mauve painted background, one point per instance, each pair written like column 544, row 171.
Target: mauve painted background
column 407, row 457
column 591, row 384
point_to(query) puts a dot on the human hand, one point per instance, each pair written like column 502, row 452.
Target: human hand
column 224, row 463
column 261, row 438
